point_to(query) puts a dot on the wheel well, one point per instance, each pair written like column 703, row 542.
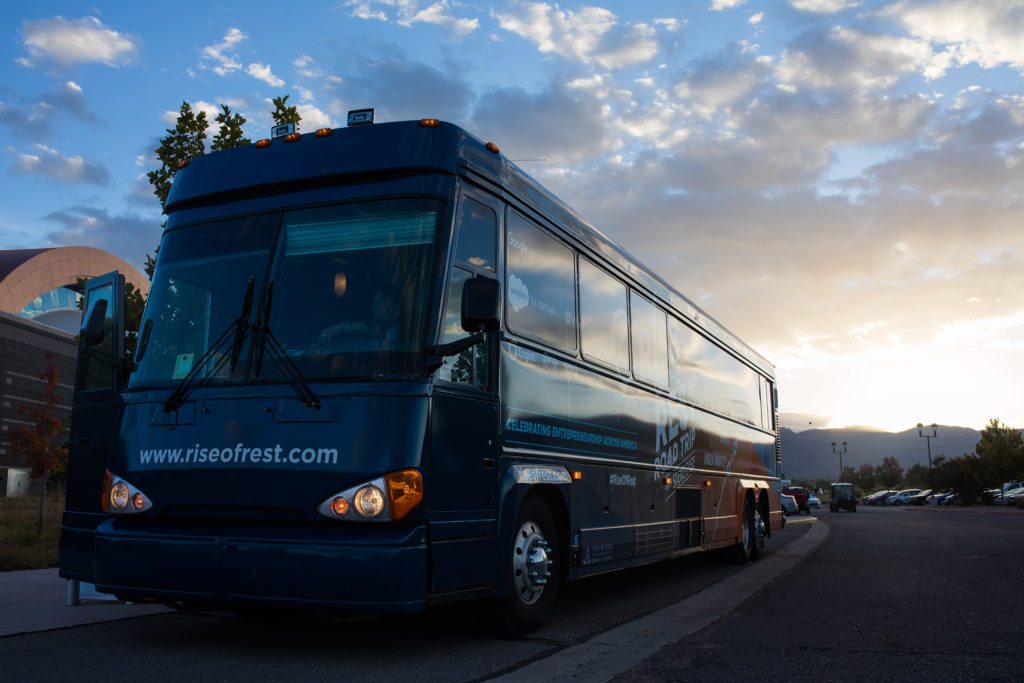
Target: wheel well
column 554, row 501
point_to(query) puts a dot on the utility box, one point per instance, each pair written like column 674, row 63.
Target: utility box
column 14, row 481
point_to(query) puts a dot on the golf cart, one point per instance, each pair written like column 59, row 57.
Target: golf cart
column 842, row 498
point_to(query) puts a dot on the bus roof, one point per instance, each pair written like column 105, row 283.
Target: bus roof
column 409, row 147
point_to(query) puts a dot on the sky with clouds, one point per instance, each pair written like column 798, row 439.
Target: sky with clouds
column 840, row 182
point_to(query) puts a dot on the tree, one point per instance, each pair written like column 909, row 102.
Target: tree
column 40, row 443
column 284, row 114
column 230, row 134
column 866, row 476
column 917, row 476
column 185, row 141
column 889, row 473
column 1000, row 452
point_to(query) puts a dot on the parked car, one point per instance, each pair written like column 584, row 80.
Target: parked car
column 919, row 498
column 878, row 497
column 1008, row 498
column 789, row 506
column 801, row 494
column 901, row 497
column 813, row 501
column 937, row 497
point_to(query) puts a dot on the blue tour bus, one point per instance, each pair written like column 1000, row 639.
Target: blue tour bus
column 382, row 368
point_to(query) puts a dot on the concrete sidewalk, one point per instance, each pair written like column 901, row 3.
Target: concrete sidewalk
column 33, row 600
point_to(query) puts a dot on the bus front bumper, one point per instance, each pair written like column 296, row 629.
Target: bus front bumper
column 375, row 569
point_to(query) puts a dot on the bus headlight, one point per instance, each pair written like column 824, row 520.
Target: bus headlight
column 385, row 499
column 369, row 501
column 121, row 498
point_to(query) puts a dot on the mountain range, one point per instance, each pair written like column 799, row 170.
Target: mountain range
column 808, row 454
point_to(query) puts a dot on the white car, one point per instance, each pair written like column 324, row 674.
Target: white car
column 789, row 506
column 903, row 497
column 1008, row 498
column 813, row 501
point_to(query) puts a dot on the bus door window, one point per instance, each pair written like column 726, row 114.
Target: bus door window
column 93, row 372
column 475, row 254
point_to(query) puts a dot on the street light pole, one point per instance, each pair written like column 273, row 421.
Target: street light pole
column 840, row 454
column 935, row 432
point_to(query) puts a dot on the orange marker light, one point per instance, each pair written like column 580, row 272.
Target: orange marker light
column 577, row 475
column 339, row 506
column 138, row 501
column 265, row 142
column 707, row 482
column 293, row 137
column 323, row 132
column 405, row 491
column 667, row 481
column 430, row 123
column 493, row 148
column 183, row 163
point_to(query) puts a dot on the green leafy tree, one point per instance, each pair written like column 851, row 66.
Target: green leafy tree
column 284, row 114
column 917, row 476
column 889, row 473
column 41, row 443
column 230, row 133
column 185, row 141
column 1000, row 453
column 866, row 477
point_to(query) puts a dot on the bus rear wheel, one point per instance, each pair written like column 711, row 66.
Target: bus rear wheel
column 751, row 543
column 533, row 563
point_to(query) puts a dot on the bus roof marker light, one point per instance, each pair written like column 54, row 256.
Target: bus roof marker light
column 265, row 142
column 183, row 163
column 492, row 148
column 430, row 123
column 293, row 137
column 360, row 117
column 324, row 132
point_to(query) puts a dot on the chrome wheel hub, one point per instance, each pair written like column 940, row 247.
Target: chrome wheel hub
column 531, row 563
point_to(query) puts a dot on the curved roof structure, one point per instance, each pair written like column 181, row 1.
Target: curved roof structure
column 26, row 274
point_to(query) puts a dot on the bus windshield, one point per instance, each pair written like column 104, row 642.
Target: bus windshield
column 349, row 296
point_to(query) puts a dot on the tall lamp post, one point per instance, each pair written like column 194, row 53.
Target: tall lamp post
column 835, row 449
column 921, row 431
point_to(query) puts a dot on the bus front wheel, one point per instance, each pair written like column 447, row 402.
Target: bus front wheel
column 533, row 561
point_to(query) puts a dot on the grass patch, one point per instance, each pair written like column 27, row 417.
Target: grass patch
column 21, row 544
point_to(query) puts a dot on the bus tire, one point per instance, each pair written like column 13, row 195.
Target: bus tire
column 743, row 551
column 757, row 527
column 533, row 560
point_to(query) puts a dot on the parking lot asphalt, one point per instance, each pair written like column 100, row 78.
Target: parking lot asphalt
column 908, row 594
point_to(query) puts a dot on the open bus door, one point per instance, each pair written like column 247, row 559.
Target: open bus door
column 94, row 420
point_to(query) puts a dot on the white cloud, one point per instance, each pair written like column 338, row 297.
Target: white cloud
column 262, row 72
column 439, row 15
column 823, row 6
column 588, row 34
column 848, row 58
column 409, row 12
column 313, row 118
column 984, row 33
column 72, row 42
column 669, row 24
column 221, row 57
column 719, row 5
column 756, row 19
column 49, row 162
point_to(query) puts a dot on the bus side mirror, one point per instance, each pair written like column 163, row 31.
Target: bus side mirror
column 480, row 301
column 93, row 327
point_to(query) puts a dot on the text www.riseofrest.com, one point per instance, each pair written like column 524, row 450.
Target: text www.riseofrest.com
column 240, row 455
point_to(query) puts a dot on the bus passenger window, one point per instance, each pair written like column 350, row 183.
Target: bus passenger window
column 604, row 317
column 540, row 293
column 650, row 341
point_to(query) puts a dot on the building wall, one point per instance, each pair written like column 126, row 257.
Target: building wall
column 23, row 348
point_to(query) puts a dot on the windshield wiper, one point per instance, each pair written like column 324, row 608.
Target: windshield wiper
column 239, row 327
column 265, row 339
